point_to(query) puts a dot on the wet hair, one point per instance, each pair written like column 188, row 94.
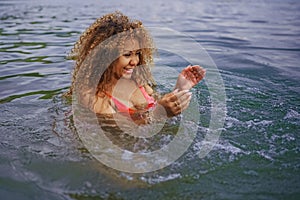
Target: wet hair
column 97, row 51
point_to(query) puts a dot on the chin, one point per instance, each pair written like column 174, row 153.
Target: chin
column 127, row 76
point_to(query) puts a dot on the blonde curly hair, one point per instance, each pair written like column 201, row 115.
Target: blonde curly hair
column 98, row 48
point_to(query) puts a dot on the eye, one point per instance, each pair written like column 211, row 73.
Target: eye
column 127, row 54
column 138, row 53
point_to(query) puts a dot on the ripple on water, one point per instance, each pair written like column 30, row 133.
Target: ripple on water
column 257, row 155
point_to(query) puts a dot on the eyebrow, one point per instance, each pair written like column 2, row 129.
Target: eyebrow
column 131, row 50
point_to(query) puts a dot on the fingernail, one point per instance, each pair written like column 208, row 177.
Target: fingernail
column 190, row 93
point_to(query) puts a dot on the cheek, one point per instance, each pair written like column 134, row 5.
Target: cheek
column 120, row 64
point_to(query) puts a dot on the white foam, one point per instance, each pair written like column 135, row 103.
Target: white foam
column 265, row 155
column 231, row 121
column 159, row 179
column 256, row 122
column 224, row 146
column 292, row 114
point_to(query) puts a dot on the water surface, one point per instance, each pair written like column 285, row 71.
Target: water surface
column 256, row 48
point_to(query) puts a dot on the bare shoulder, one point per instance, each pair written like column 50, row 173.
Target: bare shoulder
column 148, row 89
column 103, row 106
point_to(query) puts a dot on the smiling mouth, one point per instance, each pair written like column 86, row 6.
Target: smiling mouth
column 128, row 70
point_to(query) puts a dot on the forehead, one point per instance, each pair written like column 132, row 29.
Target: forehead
column 131, row 44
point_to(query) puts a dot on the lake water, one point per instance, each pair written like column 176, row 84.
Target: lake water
column 254, row 44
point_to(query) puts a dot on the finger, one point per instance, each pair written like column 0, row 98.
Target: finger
column 189, row 67
column 200, row 75
column 196, row 68
column 203, row 73
column 176, row 90
column 186, row 69
column 184, row 97
column 183, row 105
column 171, row 94
column 178, row 95
column 190, row 76
column 185, row 102
column 190, row 73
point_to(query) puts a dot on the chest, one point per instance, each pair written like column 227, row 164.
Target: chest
column 131, row 96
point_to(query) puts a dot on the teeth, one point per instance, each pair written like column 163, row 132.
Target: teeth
column 128, row 70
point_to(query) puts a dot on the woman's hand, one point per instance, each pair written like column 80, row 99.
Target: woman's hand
column 173, row 103
column 189, row 77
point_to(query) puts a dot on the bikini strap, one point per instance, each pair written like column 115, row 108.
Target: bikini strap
column 121, row 107
column 151, row 101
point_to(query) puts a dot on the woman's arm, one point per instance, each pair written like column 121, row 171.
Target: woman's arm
column 172, row 104
column 189, row 77
column 103, row 106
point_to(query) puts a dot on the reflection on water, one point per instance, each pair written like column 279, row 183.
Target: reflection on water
column 254, row 44
column 124, row 133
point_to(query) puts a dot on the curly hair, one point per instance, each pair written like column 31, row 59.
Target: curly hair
column 98, row 48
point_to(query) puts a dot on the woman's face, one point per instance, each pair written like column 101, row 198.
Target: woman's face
column 128, row 60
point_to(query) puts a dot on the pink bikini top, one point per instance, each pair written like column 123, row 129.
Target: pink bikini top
column 124, row 109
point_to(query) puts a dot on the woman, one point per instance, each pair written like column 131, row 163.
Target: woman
column 112, row 72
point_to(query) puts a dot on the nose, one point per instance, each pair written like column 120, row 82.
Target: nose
column 134, row 60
